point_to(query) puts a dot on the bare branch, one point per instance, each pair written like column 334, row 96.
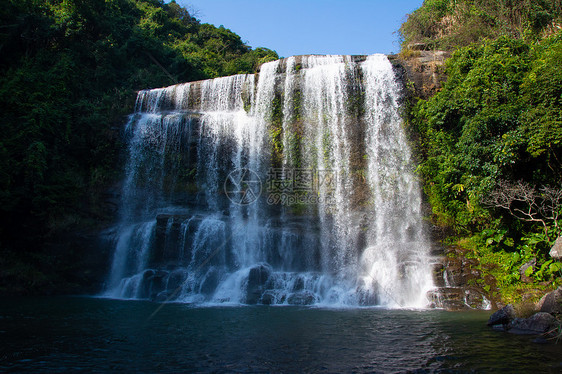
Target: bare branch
column 524, row 202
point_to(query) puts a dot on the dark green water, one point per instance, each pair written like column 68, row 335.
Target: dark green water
column 99, row 335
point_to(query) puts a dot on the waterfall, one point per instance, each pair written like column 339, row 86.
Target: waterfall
column 292, row 186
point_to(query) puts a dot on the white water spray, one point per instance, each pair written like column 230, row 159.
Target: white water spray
column 323, row 133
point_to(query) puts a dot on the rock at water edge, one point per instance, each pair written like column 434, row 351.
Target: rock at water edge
column 551, row 302
column 503, row 316
column 538, row 323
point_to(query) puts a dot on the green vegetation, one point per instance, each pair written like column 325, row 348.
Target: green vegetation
column 491, row 138
column 69, row 70
column 276, row 131
column 450, row 24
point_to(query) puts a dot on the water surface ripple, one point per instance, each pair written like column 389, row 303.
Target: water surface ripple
column 101, row 335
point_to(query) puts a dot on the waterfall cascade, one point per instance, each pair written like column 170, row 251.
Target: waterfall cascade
column 291, row 186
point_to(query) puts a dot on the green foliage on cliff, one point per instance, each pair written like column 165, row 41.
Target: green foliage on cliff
column 492, row 153
column 69, row 70
column 449, row 24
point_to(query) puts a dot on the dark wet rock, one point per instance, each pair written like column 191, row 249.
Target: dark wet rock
column 367, row 298
column 167, row 246
column 448, row 298
column 267, row 298
column 538, row 323
column 499, row 328
column 162, row 220
column 503, row 316
column 176, row 280
column 458, row 281
column 211, row 281
column 551, row 302
column 475, row 299
column 270, row 297
column 459, row 271
column 455, row 270
column 438, row 272
column 144, row 289
column 258, row 275
column 157, row 283
column 298, row 285
column 162, row 297
column 152, row 283
column 257, row 278
column 111, row 200
column 149, row 273
column 302, row 298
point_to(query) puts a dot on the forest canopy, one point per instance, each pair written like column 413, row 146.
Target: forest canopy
column 69, row 70
column 490, row 140
column 450, row 24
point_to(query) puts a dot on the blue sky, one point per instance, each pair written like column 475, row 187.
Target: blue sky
column 296, row 27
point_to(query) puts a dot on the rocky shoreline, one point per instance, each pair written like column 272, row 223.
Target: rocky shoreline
column 545, row 318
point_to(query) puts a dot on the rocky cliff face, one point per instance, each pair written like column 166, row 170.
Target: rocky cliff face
column 325, row 136
column 455, row 277
column 423, row 71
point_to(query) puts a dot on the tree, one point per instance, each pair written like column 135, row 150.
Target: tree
column 69, row 72
column 530, row 204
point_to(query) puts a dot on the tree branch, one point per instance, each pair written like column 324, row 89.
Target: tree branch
column 524, row 202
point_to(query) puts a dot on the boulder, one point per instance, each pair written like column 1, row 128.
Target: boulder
column 523, row 270
column 298, row 284
column 157, row 283
column 271, row 297
column 556, row 250
column 503, row 316
column 257, row 278
column 151, row 284
column 210, row 282
column 145, row 283
column 267, row 298
column 162, row 297
column 538, row 323
column 302, row 298
column 551, row 302
column 176, row 280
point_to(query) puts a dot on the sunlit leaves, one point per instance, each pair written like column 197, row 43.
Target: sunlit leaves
column 449, row 24
column 497, row 113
